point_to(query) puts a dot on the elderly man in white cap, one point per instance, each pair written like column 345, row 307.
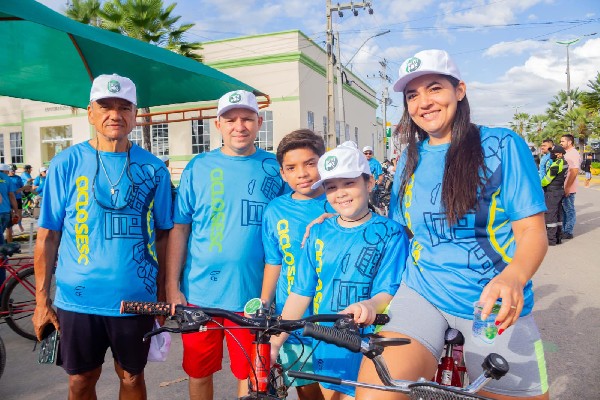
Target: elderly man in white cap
column 215, row 253
column 105, row 202
column 376, row 171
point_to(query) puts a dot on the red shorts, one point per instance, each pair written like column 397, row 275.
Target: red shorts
column 203, row 351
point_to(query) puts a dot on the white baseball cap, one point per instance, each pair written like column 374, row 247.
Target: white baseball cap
column 4, row 167
column 107, row 86
column 423, row 63
column 345, row 161
column 43, row 169
column 367, row 148
column 237, row 99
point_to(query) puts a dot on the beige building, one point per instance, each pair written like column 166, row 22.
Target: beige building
column 288, row 66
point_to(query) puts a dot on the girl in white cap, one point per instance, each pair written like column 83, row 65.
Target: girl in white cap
column 471, row 197
column 352, row 263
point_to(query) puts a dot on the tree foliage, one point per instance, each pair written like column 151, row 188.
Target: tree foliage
column 582, row 121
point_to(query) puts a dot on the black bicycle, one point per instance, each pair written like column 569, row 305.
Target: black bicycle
column 265, row 381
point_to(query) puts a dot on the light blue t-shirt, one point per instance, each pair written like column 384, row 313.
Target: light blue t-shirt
column 6, row 186
column 342, row 266
column 450, row 266
column 543, row 161
column 40, row 181
column 224, row 199
column 107, row 249
column 283, row 228
column 25, row 177
column 375, row 167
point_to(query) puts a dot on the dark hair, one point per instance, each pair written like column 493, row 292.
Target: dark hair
column 569, row 137
column 27, row 166
column 464, row 160
column 548, row 141
column 13, row 167
column 300, row 139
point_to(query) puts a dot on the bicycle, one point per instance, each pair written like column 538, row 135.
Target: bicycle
column 28, row 205
column 265, row 382
column 17, row 292
column 494, row 367
column 451, row 368
column 2, row 357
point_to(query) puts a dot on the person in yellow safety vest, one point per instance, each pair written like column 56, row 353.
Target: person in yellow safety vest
column 553, row 184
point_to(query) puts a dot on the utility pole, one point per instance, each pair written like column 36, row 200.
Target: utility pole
column 331, row 60
column 340, row 87
column 385, row 98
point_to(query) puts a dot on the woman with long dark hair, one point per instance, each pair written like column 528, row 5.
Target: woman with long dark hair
column 471, row 199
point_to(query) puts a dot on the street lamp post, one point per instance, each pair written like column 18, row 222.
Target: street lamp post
column 567, row 43
column 363, row 43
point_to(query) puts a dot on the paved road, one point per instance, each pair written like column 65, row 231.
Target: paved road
column 567, row 312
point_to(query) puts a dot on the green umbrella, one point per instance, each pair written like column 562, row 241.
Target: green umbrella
column 48, row 57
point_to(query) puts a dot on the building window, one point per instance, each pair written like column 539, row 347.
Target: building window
column 337, row 133
column 264, row 139
column 160, row 139
column 2, row 148
column 136, row 136
column 54, row 140
column 356, row 134
column 311, row 121
column 347, row 132
column 16, row 147
column 200, row 136
column 325, row 130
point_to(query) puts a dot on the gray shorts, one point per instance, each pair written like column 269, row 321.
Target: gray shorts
column 413, row 316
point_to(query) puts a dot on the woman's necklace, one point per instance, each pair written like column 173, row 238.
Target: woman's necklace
column 355, row 220
column 113, row 185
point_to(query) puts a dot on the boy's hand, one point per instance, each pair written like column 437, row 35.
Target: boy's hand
column 318, row 220
column 364, row 313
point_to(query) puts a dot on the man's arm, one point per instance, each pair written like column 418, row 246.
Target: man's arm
column 176, row 253
column 13, row 201
column 162, row 238
column 46, row 250
column 270, row 279
column 571, row 176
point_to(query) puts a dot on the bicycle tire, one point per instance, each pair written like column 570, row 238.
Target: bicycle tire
column 19, row 303
column 2, row 357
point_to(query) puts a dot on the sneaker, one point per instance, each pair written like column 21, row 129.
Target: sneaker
column 567, row 236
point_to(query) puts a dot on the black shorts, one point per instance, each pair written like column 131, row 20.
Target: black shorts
column 84, row 339
column 20, row 204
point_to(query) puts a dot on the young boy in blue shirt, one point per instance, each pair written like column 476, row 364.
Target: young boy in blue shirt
column 352, row 263
column 283, row 228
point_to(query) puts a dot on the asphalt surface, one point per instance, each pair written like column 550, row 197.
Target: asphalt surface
column 567, row 312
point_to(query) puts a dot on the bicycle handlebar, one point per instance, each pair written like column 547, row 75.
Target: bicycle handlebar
column 190, row 319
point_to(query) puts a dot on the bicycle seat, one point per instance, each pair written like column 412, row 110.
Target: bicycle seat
column 8, row 249
column 454, row 336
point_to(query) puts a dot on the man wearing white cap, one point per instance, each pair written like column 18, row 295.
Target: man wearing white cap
column 105, row 202
column 215, row 256
column 8, row 205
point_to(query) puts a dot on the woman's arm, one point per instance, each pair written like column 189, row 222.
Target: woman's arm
column 532, row 244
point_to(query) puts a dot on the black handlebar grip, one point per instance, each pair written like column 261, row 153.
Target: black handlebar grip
column 146, row 308
column 381, row 319
column 314, row 377
column 333, row 336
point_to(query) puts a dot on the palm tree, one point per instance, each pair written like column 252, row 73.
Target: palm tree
column 520, row 124
column 145, row 20
column 591, row 100
column 537, row 123
column 85, row 11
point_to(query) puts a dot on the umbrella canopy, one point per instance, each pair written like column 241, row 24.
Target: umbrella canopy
column 48, row 57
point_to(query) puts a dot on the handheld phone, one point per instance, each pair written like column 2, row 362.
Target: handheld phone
column 49, row 345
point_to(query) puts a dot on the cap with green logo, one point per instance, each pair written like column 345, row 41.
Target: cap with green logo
column 113, row 86
column 345, row 161
column 423, row 63
column 237, row 99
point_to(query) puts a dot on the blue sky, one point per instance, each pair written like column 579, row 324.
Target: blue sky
column 506, row 49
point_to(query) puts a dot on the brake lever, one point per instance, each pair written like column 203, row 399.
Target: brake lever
column 171, row 324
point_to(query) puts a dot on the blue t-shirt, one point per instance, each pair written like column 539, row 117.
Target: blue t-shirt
column 342, row 266
column 450, row 266
column 224, row 199
column 17, row 184
column 40, row 181
column 376, row 170
column 107, row 248
column 283, row 228
column 543, row 167
column 25, row 177
column 6, row 186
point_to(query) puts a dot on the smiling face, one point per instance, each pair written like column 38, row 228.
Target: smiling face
column 239, row 127
column 113, row 118
column 349, row 197
column 299, row 170
column 431, row 103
